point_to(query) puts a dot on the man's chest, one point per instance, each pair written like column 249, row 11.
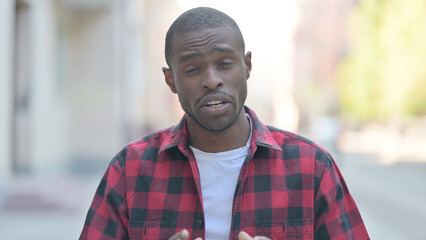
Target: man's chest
column 273, row 198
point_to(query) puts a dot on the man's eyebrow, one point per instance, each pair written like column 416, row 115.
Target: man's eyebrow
column 223, row 50
column 190, row 56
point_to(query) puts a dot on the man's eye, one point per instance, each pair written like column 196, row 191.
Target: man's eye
column 192, row 70
column 225, row 64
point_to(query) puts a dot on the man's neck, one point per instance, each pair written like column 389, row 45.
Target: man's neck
column 234, row 137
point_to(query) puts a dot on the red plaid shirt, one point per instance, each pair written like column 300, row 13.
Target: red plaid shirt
column 288, row 188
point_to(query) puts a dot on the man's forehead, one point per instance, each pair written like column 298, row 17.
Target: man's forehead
column 222, row 32
column 191, row 54
column 217, row 40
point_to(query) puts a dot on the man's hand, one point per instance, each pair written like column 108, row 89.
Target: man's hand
column 182, row 235
column 244, row 236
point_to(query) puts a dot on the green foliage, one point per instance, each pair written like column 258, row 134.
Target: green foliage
column 385, row 73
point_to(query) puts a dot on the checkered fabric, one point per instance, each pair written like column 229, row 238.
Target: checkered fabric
column 288, row 188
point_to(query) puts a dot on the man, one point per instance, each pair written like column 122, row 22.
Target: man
column 220, row 173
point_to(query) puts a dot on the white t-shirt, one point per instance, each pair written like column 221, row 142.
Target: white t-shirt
column 219, row 176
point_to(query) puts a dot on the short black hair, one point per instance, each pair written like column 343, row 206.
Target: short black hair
column 197, row 19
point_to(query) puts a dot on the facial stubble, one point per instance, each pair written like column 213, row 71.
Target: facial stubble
column 242, row 99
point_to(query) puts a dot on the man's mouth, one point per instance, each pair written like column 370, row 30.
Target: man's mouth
column 215, row 104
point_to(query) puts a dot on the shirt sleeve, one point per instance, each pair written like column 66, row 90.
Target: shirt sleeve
column 336, row 214
column 107, row 217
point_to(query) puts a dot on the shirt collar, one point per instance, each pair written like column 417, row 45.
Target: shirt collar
column 261, row 136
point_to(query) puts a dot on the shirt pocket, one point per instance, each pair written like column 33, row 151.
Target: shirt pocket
column 151, row 229
column 289, row 229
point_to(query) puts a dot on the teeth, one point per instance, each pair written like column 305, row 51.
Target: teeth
column 215, row 103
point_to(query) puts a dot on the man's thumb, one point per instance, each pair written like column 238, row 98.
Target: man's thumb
column 244, row 236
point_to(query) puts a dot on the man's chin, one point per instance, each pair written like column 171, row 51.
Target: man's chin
column 215, row 128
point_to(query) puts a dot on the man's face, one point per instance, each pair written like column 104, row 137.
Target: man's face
column 209, row 73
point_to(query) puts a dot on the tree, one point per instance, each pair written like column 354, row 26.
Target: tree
column 384, row 75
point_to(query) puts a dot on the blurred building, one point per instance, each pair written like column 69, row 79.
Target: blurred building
column 320, row 42
column 72, row 74
column 81, row 78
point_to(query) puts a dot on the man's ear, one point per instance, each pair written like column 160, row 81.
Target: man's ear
column 168, row 76
column 247, row 61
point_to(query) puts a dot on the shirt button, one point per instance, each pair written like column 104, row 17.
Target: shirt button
column 200, row 222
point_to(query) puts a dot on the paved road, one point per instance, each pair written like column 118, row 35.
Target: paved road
column 392, row 201
column 391, row 198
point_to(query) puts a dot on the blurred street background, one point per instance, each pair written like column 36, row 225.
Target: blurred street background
column 81, row 78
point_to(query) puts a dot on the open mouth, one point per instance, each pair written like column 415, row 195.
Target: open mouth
column 215, row 104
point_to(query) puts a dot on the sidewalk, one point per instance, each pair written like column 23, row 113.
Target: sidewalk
column 45, row 208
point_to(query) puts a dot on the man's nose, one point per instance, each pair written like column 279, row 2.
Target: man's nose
column 212, row 79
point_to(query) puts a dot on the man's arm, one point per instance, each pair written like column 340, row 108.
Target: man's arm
column 108, row 213
column 336, row 214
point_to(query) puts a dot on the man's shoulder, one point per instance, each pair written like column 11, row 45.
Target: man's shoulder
column 144, row 148
column 295, row 146
column 287, row 138
column 153, row 139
